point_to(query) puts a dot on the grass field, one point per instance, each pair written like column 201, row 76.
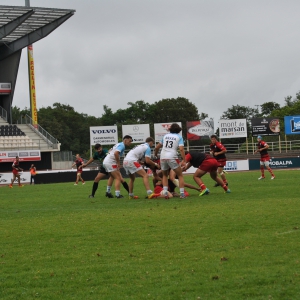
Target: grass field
column 56, row 243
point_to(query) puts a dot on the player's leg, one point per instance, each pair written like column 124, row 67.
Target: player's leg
column 215, row 177
column 12, row 180
column 117, row 178
column 262, row 169
column 145, row 178
column 197, row 178
column 178, row 172
column 267, row 164
column 99, row 176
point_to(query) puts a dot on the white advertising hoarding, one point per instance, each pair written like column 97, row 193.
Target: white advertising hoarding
column 24, row 155
column 160, row 129
column 104, row 135
column 139, row 132
column 234, row 128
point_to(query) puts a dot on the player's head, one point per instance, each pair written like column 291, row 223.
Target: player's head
column 98, row 147
column 175, row 128
column 213, row 138
column 127, row 140
column 77, row 155
column 150, row 141
column 259, row 138
column 17, row 157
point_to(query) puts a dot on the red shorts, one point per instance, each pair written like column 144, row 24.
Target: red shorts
column 222, row 162
column 15, row 172
column 210, row 164
column 265, row 158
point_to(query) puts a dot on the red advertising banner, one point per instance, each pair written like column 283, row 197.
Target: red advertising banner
column 199, row 129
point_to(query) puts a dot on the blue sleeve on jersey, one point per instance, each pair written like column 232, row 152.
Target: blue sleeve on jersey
column 181, row 142
column 120, row 148
column 148, row 152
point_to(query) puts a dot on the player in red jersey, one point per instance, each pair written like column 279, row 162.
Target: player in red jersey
column 217, row 150
column 15, row 169
column 78, row 163
column 204, row 163
column 262, row 147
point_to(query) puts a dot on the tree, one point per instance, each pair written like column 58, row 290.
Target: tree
column 268, row 107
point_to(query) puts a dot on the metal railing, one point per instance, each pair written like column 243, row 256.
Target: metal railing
column 45, row 135
column 3, row 114
column 275, row 146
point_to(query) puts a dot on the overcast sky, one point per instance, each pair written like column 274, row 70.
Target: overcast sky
column 216, row 53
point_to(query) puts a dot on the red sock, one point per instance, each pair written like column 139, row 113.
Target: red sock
column 203, row 187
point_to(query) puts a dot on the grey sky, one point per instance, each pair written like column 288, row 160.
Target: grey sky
column 215, row 53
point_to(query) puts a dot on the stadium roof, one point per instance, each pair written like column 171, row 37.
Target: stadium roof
column 21, row 26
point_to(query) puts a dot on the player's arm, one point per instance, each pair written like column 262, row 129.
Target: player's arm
column 158, row 146
column 151, row 163
column 265, row 147
column 117, row 158
column 222, row 148
column 181, row 150
column 87, row 163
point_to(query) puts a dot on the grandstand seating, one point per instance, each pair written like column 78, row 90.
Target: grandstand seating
column 11, row 138
column 10, row 130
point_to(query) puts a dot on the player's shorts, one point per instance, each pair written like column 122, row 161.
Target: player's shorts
column 15, row 172
column 103, row 171
column 209, row 164
column 110, row 167
column 131, row 166
column 264, row 161
column 166, row 164
column 222, row 162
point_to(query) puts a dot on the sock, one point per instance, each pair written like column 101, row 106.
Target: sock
column 225, row 187
column 203, row 187
column 125, row 185
column 131, row 194
column 181, row 191
column 117, row 193
column 95, row 187
column 108, row 189
column 262, row 172
column 149, row 192
column 271, row 172
column 165, row 188
column 176, row 182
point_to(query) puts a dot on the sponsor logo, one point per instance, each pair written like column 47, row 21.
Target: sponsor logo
column 135, row 128
column 104, row 131
column 283, row 163
column 230, row 166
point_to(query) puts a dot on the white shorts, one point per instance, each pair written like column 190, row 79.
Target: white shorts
column 110, row 167
column 166, row 164
column 131, row 166
column 264, row 163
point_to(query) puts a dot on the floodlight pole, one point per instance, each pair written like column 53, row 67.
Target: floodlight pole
column 32, row 92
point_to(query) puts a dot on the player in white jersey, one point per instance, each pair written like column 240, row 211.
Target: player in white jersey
column 169, row 158
column 132, row 165
column 111, row 162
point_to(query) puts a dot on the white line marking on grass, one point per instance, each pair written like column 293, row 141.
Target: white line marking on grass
column 291, row 231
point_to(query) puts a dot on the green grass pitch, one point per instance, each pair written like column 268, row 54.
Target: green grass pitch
column 56, row 243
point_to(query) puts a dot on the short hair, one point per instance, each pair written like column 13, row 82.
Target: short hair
column 127, row 137
column 175, row 128
column 97, row 146
column 213, row 136
column 150, row 139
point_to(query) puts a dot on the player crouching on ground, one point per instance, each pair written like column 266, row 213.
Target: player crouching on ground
column 204, row 163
